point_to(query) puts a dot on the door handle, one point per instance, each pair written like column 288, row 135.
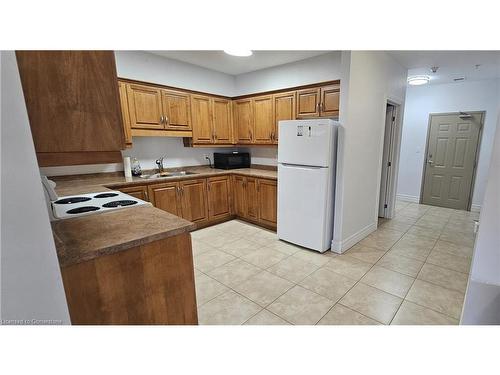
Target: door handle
column 430, row 162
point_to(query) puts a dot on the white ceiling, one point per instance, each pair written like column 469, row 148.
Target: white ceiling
column 452, row 64
column 222, row 62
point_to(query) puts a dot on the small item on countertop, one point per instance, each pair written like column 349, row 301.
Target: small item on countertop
column 126, row 166
column 136, row 167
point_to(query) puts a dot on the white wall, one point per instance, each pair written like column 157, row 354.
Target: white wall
column 31, row 285
column 315, row 69
column 482, row 299
column 453, row 97
column 148, row 67
column 368, row 80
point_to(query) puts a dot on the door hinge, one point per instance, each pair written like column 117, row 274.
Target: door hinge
column 385, row 205
column 389, row 164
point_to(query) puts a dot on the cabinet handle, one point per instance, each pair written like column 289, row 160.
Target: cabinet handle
column 321, row 107
column 146, row 195
column 165, row 119
column 161, row 119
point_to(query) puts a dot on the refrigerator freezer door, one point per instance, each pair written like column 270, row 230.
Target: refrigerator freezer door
column 303, row 206
column 306, row 142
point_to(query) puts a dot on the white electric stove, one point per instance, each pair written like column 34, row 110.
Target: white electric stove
column 87, row 204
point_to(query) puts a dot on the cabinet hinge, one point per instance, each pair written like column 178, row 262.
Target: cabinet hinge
column 393, row 118
column 385, row 205
column 389, row 164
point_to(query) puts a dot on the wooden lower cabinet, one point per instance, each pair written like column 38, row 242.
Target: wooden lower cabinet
column 146, row 284
column 268, row 201
column 166, row 196
column 255, row 199
column 194, row 200
column 139, row 192
column 219, row 197
column 205, row 201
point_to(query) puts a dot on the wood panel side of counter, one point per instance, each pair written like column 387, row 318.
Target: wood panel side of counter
column 148, row 284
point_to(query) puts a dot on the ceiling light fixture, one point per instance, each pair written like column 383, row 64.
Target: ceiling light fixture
column 238, row 52
column 418, row 80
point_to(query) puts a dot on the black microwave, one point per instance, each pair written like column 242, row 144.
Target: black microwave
column 231, row 160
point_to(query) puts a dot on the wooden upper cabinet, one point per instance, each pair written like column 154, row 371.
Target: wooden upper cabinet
column 166, row 197
column 268, row 201
column 243, row 120
column 263, row 119
column 176, row 110
column 330, row 98
column 222, row 121
column 284, row 109
column 194, row 200
column 73, row 105
column 122, row 87
column 219, row 197
column 145, row 107
column 308, row 101
column 201, row 115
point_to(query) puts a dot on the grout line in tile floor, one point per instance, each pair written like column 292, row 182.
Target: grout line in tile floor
column 403, row 233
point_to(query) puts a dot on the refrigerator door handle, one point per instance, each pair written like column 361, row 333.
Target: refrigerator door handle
column 286, row 165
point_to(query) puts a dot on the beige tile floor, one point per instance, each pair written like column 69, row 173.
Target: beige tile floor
column 412, row 270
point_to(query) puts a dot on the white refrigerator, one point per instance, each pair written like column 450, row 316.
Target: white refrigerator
column 306, row 182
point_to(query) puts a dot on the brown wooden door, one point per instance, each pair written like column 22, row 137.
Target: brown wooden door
column 308, row 101
column 239, row 196
column 252, row 198
column 194, row 200
column 268, row 202
column 122, row 87
column 263, row 118
column 201, row 115
column 222, row 121
column 284, row 109
column 140, row 192
column 166, row 197
column 219, row 193
column 243, row 120
column 177, row 110
column 145, row 107
column 330, row 99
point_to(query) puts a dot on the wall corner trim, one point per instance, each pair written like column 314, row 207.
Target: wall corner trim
column 340, row 247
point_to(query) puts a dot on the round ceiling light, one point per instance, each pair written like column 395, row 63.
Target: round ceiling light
column 418, row 80
column 238, row 52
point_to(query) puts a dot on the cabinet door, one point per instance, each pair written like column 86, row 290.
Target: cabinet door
column 239, row 196
column 222, row 121
column 201, row 115
column 284, row 109
column 177, row 110
column 122, row 88
column 139, row 192
column 243, row 120
column 145, row 107
column 219, row 192
column 330, row 97
column 252, row 198
column 194, row 200
column 308, row 103
column 166, row 197
column 268, row 202
column 263, row 118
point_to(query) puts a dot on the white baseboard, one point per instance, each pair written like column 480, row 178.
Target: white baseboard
column 475, row 207
column 408, row 198
column 341, row 246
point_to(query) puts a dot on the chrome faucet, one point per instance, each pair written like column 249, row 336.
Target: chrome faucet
column 159, row 163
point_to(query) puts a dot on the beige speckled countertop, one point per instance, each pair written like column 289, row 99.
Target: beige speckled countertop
column 86, row 237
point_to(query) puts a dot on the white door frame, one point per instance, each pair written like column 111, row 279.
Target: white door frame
column 476, row 155
column 396, row 148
